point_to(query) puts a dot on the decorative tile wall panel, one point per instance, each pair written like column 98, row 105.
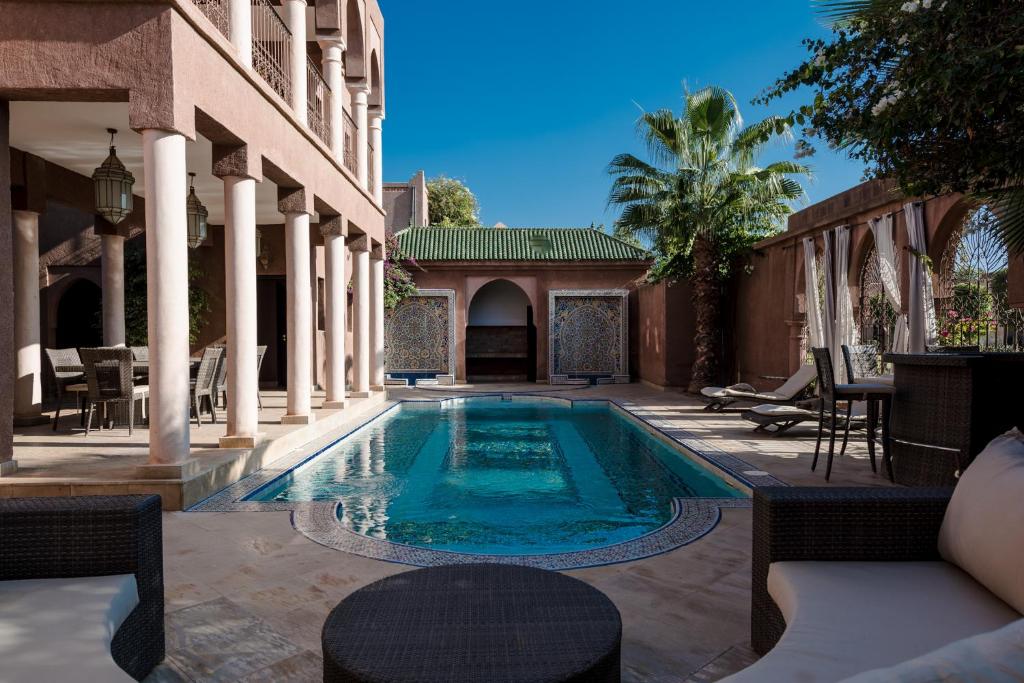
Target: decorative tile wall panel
column 419, row 333
column 588, row 332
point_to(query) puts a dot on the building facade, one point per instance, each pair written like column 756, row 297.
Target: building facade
column 517, row 304
column 277, row 110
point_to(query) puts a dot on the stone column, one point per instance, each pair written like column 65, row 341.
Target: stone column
column 335, row 309
column 112, row 267
column 163, row 157
column 300, row 318
column 241, row 29
column 360, row 249
column 8, row 465
column 376, row 121
column 359, row 115
column 295, row 20
column 334, row 74
column 240, row 306
column 377, row 318
column 28, row 394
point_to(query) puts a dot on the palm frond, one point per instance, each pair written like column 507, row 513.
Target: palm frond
column 1008, row 205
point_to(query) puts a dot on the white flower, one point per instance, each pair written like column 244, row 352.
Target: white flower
column 911, row 7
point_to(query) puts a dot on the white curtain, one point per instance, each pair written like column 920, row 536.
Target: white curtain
column 885, row 249
column 828, row 326
column 923, row 329
column 846, row 331
column 817, row 336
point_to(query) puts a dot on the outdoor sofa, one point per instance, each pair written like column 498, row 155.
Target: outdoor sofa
column 81, row 588
column 870, row 585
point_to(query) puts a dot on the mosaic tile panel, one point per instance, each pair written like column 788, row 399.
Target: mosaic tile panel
column 419, row 333
column 588, row 332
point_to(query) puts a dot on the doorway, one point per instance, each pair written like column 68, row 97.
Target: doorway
column 271, row 329
column 501, row 338
column 78, row 316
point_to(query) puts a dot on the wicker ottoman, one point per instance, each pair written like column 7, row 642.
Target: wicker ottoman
column 481, row 622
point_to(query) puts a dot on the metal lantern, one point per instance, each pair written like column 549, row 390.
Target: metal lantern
column 259, row 243
column 197, row 214
column 113, row 186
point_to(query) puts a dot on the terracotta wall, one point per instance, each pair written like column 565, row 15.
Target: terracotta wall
column 665, row 326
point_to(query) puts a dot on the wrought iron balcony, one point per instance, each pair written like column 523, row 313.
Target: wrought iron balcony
column 271, row 48
column 318, row 101
column 217, row 12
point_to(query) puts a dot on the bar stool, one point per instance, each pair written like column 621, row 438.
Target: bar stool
column 833, row 394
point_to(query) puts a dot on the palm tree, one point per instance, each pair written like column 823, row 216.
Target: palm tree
column 702, row 199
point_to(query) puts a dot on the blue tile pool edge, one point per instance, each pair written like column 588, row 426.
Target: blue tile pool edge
column 692, row 517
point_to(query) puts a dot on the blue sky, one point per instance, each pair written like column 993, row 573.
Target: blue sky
column 527, row 102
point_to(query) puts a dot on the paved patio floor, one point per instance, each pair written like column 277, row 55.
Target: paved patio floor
column 247, row 595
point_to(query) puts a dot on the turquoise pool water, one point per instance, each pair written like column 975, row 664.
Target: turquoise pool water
column 483, row 475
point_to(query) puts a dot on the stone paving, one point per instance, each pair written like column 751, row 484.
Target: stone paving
column 247, row 595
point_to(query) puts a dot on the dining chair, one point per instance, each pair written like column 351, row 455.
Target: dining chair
column 832, row 395
column 203, row 386
column 109, row 377
column 67, row 381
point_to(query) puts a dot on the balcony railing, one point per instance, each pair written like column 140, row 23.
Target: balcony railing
column 217, row 12
column 318, row 102
column 271, row 48
column 370, row 184
column 350, row 144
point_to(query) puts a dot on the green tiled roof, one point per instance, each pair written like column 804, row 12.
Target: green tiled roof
column 516, row 244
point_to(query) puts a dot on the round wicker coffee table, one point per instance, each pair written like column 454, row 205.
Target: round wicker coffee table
column 482, row 622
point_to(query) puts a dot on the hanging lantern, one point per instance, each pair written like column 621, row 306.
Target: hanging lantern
column 259, row 243
column 197, row 214
column 113, row 186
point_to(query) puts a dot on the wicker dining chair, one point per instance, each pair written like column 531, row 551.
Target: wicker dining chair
column 67, row 381
column 222, row 377
column 140, row 354
column 861, row 360
column 204, row 385
column 109, row 376
column 832, row 394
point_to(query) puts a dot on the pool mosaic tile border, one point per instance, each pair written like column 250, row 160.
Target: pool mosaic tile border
column 319, row 521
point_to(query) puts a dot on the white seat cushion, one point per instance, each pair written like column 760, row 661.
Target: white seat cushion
column 61, row 629
column 994, row 657
column 983, row 531
column 843, row 618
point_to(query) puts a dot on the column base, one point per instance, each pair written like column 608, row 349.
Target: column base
column 247, row 442
column 359, row 394
column 298, row 419
column 335, row 405
column 30, row 420
column 377, row 387
column 8, row 467
column 180, row 470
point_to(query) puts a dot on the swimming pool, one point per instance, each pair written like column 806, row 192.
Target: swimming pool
column 501, row 477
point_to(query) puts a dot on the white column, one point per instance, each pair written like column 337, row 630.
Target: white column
column 163, row 155
column 377, row 319
column 359, row 112
column 295, row 20
column 112, row 267
column 376, row 140
column 334, row 75
column 300, row 319
column 336, row 309
column 241, row 29
column 240, row 305
column 28, row 395
column 361, row 320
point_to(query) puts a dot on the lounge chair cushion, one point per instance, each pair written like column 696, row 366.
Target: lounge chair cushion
column 983, row 531
column 722, row 392
column 993, row 657
column 61, row 629
column 843, row 618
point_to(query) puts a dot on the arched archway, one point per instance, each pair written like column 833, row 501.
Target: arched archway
column 355, row 50
column 376, row 97
column 78, row 316
column 501, row 338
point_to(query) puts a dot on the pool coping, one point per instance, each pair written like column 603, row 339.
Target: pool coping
column 692, row 517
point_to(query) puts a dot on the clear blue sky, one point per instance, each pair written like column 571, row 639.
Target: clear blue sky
column 527, row 102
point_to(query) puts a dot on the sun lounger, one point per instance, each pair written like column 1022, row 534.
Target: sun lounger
column 776, row 419
column 790, row 392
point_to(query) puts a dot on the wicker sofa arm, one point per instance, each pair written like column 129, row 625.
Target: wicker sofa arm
column 836, row 524
column 65, row 537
